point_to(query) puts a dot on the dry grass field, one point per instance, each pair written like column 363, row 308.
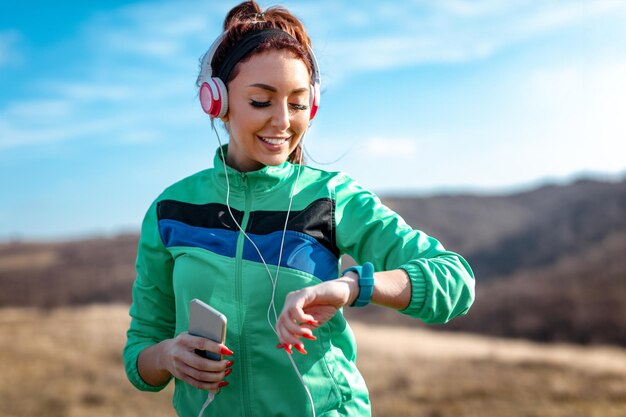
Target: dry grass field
column 67, row 362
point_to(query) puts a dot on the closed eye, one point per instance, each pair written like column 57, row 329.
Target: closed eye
column 259, row 104
column 299, row 106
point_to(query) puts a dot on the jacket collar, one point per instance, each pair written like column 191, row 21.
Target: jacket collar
column 263, row 179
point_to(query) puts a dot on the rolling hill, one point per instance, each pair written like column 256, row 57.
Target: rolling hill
column 550, row 263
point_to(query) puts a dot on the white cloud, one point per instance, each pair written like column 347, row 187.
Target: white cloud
column 92, row 91
column 466, row 8
column 402, row 35
column 388, row 52
column 9, row 53
column 140, row 136
column 17, row 134
column 589, row 98
column 139, row 121
column 163, row 30
column 118, row 80
column 558, row 120
column 120, row 94
column 390, row 147
column 24, row 110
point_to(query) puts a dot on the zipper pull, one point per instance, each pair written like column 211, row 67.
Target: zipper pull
column 244, row 181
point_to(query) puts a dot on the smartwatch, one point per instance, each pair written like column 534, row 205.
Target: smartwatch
column 366, row 283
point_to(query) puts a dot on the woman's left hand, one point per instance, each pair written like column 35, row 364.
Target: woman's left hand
column 310, row 307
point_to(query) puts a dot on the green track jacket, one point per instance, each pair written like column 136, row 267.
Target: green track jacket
column 191, row 248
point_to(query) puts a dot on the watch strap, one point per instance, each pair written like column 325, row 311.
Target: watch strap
column 366, row 283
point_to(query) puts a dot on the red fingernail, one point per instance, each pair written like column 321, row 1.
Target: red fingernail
column 285, row 346
column 226, row 351
column 227, row 372
column 229, row 364
column 223, row 384
column 309, row 336
column 300, row 348
column 313, row 322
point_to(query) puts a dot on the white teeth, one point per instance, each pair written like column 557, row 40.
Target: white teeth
column 274, row 141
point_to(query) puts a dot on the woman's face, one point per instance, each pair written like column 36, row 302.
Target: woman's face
column 268, row 110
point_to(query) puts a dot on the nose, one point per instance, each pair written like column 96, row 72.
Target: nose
column 280, row 116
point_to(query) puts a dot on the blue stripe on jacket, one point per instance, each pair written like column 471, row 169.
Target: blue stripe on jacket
column 300, row 251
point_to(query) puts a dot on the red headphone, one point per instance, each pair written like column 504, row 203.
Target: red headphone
column 214, row 95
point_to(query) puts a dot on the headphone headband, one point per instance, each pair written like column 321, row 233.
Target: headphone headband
column 245, row 46
column 216, row 104
column 206, row 69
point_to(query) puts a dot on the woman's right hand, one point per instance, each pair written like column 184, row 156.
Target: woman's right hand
column 177, row 356
column 179, row 359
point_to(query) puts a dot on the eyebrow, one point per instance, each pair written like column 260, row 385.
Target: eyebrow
column 274, row 90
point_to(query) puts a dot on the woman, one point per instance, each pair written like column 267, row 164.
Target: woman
column 259, row 237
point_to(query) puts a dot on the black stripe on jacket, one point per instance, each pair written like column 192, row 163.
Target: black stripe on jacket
column 316, row 220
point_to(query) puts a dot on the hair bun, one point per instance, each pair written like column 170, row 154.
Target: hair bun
column 244, row 12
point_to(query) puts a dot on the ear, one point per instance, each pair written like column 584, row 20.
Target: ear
column 226, row 126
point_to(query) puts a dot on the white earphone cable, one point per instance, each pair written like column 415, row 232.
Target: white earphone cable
column 209, row 400
column 273, row 279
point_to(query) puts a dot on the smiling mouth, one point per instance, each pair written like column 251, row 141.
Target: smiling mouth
column 273, row 140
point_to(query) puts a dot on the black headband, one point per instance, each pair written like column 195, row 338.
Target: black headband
column 246, row 45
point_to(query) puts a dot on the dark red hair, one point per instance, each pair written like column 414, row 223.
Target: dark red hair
column 248, row 17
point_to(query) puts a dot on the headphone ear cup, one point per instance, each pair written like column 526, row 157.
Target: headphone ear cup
column 314, row 101
column 214, row 97
column 206, row 98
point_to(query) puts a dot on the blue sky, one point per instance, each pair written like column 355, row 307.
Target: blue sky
column 98, row 109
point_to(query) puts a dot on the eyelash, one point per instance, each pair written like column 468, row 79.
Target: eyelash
column 261, row 104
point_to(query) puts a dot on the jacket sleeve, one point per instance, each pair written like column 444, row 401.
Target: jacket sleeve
column 153, row 316
column 442, row 282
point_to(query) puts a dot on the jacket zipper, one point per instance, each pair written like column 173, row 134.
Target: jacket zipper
column 239, row 294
